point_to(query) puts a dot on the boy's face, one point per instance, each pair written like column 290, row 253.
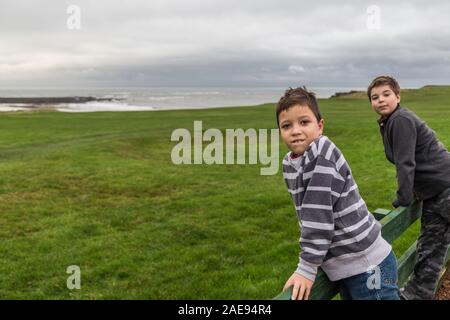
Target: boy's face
column 384, row 100
column 299, row 127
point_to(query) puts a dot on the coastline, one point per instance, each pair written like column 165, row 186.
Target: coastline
column 146, row 100
column 88, row 104
column 142, row 98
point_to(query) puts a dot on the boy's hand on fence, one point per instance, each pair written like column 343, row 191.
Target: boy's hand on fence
column 395, row 203
column 301, row 286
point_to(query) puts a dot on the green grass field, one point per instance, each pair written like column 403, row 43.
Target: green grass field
column 99, row 190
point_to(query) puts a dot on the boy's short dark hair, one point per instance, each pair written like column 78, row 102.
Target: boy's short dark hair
column 381, row 81
column 298, row 96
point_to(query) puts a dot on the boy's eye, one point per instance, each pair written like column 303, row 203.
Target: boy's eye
column 285, row 126
column 304, row 122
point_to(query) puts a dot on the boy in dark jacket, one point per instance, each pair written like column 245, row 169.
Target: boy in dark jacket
column 423, row 172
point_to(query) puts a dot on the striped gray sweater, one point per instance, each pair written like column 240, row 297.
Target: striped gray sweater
column 337, row 231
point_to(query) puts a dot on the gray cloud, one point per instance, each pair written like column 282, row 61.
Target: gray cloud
column 222, row 43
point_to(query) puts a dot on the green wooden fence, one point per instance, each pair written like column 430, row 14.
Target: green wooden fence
column 394, row 223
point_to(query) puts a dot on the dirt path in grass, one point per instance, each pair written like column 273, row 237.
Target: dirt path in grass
column 45, row 147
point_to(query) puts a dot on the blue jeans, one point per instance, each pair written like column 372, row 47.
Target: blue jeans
column 380, row 283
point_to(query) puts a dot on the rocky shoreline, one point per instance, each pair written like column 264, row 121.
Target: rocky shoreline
column 52, row 100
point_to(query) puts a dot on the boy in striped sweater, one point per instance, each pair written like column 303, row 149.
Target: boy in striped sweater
column 338, row 233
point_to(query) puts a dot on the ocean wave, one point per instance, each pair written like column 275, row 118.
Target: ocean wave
column 200, row 93
column 116, row 96
column 14, row 107
column 100, row 106
column 165, row 98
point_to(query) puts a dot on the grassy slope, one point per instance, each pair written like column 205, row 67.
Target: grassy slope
column 99, row 190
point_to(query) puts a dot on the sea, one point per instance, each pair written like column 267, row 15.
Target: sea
column 154, row 99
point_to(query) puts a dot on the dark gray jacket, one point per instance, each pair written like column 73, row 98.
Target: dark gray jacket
column 422, row 161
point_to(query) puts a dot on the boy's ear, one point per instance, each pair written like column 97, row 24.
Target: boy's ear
column 321, row 124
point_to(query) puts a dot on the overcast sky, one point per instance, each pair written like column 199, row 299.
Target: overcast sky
column 223, row 43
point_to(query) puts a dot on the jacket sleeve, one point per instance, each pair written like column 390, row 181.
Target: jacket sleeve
column 404, row 136
column 316, row 214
